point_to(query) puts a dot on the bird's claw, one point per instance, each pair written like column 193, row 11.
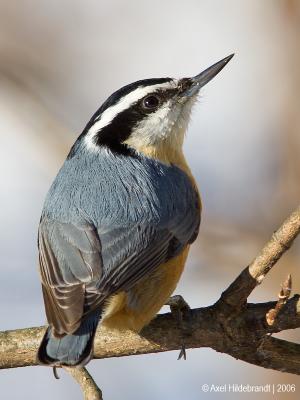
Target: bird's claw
column 182, row 353
column 179, row 309
column 54, row 369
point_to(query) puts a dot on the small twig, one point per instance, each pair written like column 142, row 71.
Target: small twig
column 88, row 386
column 283, row 297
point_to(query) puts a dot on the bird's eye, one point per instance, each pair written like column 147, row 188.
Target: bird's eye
column 150, row 102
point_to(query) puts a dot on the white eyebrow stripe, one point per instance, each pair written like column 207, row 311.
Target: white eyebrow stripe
column 123, row 104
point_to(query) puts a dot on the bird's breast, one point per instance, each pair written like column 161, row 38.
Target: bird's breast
column 134, row 309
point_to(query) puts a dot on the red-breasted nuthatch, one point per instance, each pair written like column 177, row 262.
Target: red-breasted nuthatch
column 119, row 217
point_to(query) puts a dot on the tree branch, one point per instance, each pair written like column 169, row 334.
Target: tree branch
column 245, row 331
column 229, row 326
column 238, row 292
column 87, row 384
column 283, row 296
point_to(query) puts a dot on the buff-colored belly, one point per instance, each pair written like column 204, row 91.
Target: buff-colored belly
column 135, row 309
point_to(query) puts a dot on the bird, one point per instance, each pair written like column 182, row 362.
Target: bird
column 119, row 218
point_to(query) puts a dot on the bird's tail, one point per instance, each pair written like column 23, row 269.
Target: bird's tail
column 74, row 349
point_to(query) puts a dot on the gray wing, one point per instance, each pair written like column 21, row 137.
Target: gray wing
column 69, row 259
column 81, row 267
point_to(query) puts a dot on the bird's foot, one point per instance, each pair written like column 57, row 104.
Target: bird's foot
column 181, row 311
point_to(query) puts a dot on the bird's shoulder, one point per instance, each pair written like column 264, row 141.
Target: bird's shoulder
column 113, row 189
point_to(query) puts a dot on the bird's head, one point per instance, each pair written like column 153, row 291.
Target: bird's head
column 148, row 116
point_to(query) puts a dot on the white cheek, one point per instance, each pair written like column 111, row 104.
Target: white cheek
column 184, row 116
column 170, row 122
column 158, row 126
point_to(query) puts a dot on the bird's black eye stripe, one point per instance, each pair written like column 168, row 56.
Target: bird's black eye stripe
column 119, row 129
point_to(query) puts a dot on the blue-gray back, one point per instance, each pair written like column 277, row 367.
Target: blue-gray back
column 108, row 220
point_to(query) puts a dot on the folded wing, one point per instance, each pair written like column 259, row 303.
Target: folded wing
column 82, row 266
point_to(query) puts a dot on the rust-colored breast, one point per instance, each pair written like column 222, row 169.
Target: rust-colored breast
column 135, row 309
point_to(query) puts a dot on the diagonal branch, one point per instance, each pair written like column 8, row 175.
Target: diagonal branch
column 238, row 292
column 87, row 384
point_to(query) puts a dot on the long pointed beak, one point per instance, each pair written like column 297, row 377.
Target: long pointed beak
column 204, row 77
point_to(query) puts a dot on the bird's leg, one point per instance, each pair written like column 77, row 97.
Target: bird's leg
column 180, row 311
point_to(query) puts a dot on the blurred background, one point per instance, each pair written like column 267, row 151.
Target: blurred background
column 59, row 61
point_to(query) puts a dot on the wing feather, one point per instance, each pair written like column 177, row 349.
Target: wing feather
column 69, row 258
column 82, row 266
